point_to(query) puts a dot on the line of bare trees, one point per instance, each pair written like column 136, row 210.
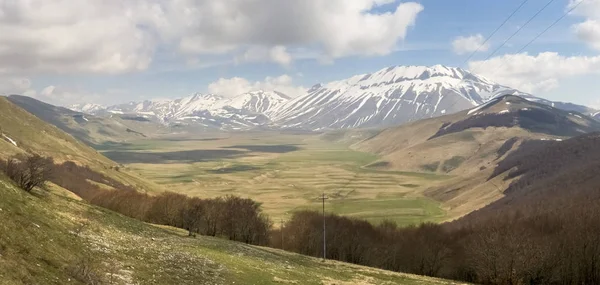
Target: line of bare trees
column 230, row 217
column 555, row 242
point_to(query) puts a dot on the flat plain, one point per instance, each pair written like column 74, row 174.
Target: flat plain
column 285, row 172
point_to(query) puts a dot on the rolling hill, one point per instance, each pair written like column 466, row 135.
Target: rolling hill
column 469, row 145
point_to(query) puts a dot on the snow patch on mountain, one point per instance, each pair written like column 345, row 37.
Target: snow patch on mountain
column 208, row 110
column 10, row 140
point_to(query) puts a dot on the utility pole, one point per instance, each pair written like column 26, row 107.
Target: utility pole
column 282, row 234
column 323, row 198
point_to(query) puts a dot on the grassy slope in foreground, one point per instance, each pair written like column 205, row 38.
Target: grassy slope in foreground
column 45, row 238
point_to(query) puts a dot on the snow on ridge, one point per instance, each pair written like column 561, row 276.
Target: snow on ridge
column 482, row 106
column 10, row 140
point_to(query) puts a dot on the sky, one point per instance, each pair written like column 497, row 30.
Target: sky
column 112, row 51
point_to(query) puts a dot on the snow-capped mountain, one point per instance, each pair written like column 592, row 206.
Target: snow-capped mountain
column 205, row 110
column 87, row 108
column 596, row 116
column 388, row 97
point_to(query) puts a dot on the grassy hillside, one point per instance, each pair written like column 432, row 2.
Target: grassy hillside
column 468, row 145
column 31, row 134
column 51, row 238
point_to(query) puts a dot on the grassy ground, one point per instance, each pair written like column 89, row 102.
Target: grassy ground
column 51, row 238
column 285, row 172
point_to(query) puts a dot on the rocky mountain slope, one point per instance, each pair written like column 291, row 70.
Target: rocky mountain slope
column 389, row 97
column 202, row 110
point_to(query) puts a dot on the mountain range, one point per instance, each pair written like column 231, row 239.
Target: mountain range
column 388, row 97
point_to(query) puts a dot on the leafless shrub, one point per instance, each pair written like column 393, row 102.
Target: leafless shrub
column 29, row 172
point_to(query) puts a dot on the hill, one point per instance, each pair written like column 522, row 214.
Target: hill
column 23, row 132
column 54, row 239
column 543, row 171
column 469, row 144
column 87, row 128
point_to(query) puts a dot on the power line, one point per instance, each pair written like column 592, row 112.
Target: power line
column 551, row 25
column 494, row 32
column 514, row 34
column 519, row 29
column 503, row 62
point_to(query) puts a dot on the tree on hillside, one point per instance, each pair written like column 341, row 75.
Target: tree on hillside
column 29, row 171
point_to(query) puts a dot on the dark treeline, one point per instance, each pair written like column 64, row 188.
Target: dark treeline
column 528, row 245
column 230, row 217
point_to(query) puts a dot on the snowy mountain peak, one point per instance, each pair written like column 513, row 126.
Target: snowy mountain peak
column 390, row 96
column 87, row 108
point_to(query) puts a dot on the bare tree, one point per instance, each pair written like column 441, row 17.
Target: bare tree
column 29, row 171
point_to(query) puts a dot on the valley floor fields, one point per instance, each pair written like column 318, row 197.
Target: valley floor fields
column 285, row 172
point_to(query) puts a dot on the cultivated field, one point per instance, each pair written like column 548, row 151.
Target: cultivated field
column 285, row 172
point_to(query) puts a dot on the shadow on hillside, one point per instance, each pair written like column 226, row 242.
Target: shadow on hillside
column 280, row 148
column 233, row 169
column 199, row 155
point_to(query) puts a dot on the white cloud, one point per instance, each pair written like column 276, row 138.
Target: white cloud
column 62, row 36
column 14, row 85
column 587, row 31
column 230, row 87
column 530, row 73
column 277, row 54
column 280, row 55
column 462, row 45
column 114, row 36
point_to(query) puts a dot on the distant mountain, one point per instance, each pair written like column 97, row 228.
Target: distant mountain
column 207, row 111
column 596, row 116
column 87, row 128
column 388, row 97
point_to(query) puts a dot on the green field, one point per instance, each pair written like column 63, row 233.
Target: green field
column 285, row 172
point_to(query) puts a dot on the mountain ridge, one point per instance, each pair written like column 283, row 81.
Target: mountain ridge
column 388, row 97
